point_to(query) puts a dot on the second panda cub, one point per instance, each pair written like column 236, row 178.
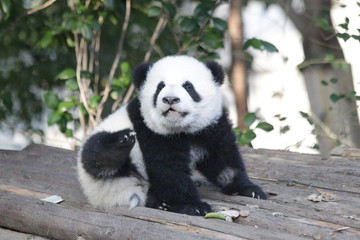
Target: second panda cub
column 144, row 153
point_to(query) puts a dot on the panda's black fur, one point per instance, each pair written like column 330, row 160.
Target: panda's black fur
column 110, row 157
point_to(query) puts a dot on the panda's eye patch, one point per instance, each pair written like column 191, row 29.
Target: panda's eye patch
column 192, row 92
column 188, row 86
column 160, row 86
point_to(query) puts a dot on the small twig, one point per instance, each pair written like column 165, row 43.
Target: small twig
column 329, row 133
column 296, row 183
column 82, row 88
column 116, row 61
column 41, row 7
column 159, row 27
column 318, row 62
column 97, row 62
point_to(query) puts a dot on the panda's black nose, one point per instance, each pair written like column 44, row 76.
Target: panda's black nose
column 171, row 100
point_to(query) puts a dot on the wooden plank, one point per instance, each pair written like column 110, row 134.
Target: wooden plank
column 6, row 234
column 61, row 221
column 39, row 170
column 32, row 216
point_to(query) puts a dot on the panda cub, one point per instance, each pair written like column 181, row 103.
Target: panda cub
column 144, row 153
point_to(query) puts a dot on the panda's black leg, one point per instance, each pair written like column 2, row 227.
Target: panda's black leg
column 195, row 207
column 223, row 164
column 231, row 180
column 106, row 154
column 173, row 189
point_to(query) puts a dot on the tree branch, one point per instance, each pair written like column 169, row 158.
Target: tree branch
column 159, row 27
column 41, row 7
column 116, row 61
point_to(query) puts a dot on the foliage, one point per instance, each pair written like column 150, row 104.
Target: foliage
column 260, row 45
column 90, row 47
column 251, row 121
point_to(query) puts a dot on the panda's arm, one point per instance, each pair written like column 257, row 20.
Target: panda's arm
column 224, row 165
column 105, row 154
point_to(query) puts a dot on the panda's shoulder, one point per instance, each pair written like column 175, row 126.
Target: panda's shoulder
column 116, row 121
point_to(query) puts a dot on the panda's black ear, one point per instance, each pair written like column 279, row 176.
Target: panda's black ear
column 216, row 70
column 140, row 73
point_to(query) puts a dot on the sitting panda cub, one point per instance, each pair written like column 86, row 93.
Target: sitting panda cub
column 144, row 153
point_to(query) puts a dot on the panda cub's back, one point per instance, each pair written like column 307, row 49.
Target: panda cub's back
column 127, row 191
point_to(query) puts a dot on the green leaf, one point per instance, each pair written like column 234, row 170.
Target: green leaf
column 86, row 32
column 46, row 39
column 50, row 100
column 322, row 23
column 308, row 118
column 324, row 83
column 210, row 56
column 68, row 133
column 219, row 24
column 188, row 25
column 284, row 129
column 125, row 67
column 7, row 101
column 249, row 119
column 304, row 114
column 248, row 136
column 70, row 42
column 344, row 36
column 334, row 80
column 170, row 9
column 94, row 101
column 345, row 25
column 215, row 215
column 265, row 126
column 5, row 6
column 335, row 97
column 356, row 37
column 54, row 117
column 2, row 113
column 202, row 9
column 153, row 11
column 66, row 105
column 268, row 46
column 329, row 57
column 260, row 45
column 66, row 74
column 72, row 84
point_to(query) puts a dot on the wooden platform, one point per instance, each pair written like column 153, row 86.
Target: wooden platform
column 289, row 178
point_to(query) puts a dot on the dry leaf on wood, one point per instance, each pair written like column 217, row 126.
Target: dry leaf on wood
column 322, row 196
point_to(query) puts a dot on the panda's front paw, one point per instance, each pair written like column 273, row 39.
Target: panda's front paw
column 126, row 138
column 252, row 191
column 196, row 208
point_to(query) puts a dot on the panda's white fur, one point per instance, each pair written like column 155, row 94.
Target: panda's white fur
column 199, row 114
column 126, row 191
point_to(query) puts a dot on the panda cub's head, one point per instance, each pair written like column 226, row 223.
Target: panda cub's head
column 179, row 94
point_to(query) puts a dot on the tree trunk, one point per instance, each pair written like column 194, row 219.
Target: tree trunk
column 238, row 68
column 336, row 121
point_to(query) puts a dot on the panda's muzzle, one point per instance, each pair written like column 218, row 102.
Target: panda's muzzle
column 172, row 110
column 171, row 100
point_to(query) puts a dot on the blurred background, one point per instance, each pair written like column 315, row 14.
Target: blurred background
column 292, row 66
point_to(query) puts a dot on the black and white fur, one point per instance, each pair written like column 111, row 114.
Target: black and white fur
column 144, row 153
